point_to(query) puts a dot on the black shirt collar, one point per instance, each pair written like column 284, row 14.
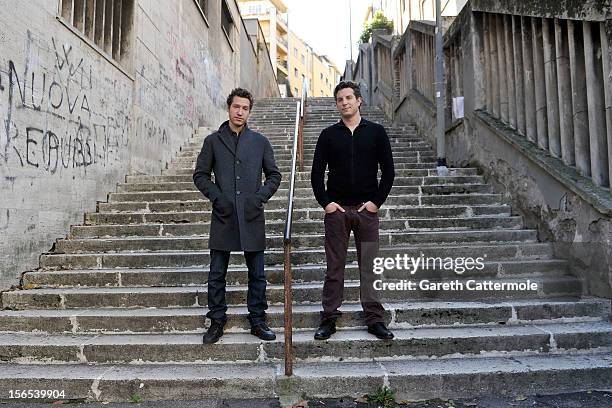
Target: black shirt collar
column 362, row 122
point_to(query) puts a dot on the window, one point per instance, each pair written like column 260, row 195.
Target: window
column 108, row 24
column 295, row 72
column 227, row 22
column 295, row 91
column 321, row 76
column 294, row 52
column 303, row 59
column 303, row 78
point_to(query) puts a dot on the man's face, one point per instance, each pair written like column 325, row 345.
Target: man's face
column 239, row 111
column 346, row 102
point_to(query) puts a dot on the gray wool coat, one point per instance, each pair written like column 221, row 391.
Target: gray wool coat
column 237, row 192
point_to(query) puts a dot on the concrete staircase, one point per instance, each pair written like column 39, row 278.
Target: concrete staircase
column 117, row 308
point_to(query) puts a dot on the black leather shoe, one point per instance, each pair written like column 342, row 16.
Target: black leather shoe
column 380, row 331
column 325, row 330
column 263, row 332
column 214, row 333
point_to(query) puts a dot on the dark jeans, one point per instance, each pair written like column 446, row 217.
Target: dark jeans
column 256, row 295
column 338, row 227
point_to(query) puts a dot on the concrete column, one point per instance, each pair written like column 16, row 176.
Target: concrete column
column 595, row 102
column 420, row 62
column 431, row 68
column 501, row 66
column 494, row 62
column 487, row 64
column 552, row 97
column 427, row 68
column 564, row 89
column 413, row 61
column 528, row 84
column 606, row 53
column 473, row 86
column 540, row 88
column 518, row 74
column 510, row 63
column 579, row 99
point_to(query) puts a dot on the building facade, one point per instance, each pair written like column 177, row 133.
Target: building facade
column 272, row 16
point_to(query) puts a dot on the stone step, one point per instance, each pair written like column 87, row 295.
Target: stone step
column 274, row 239
column 276, row 225
column 398, row 181
column 303, row 175
column 345, row 344
column 286, row 170
column 237, row 274
column 282, row 138
column 286, row 145
column 311, row 134
column 433, row 189
column 447, row 229
column 286, row 150
column 146, row 297
column 285, row 160
column 502, row 251
column 280, row 202
column 416, row 313
column 413, row 379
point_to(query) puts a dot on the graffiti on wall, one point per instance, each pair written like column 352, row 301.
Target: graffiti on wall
column 54, row 111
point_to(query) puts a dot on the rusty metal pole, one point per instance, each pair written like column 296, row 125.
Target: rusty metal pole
column 288, row 312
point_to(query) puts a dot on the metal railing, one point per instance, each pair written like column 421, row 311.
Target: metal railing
column 297, row 147
column 305, row 87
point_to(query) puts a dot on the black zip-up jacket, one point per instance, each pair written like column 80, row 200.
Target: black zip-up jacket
column 353, row 161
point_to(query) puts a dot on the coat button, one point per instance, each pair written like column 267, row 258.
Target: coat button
column 237, row 177
column 237, row 161
column 237, row 192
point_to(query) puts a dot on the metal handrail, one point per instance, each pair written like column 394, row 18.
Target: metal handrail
column 296, row 150
column 287, row 249
column 303, row 101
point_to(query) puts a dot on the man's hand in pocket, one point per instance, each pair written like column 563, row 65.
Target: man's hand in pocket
column 333, row 207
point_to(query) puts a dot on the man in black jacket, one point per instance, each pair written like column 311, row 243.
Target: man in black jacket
column 237, row 156
column 352, row 149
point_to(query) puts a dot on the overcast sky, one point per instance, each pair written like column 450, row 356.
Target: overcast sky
column 324, row 25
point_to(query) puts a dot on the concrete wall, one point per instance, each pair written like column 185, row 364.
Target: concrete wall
column 74, row 123
column 256, row 71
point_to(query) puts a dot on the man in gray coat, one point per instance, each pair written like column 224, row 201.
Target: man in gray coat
column 237, row 156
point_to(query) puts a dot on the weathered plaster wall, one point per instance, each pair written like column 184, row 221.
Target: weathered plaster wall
column 73, row 124
column 256, row 63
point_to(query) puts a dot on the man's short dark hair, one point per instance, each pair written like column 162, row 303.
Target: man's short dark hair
column 241, row 93
column 348, row 84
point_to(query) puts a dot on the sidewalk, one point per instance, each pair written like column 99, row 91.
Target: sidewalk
column 595, row 399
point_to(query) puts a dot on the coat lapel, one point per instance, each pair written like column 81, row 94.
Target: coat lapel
column 227, row 138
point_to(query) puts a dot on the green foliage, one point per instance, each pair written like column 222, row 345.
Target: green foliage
column 379, row 22
column 135, row 399
column 383, row 397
